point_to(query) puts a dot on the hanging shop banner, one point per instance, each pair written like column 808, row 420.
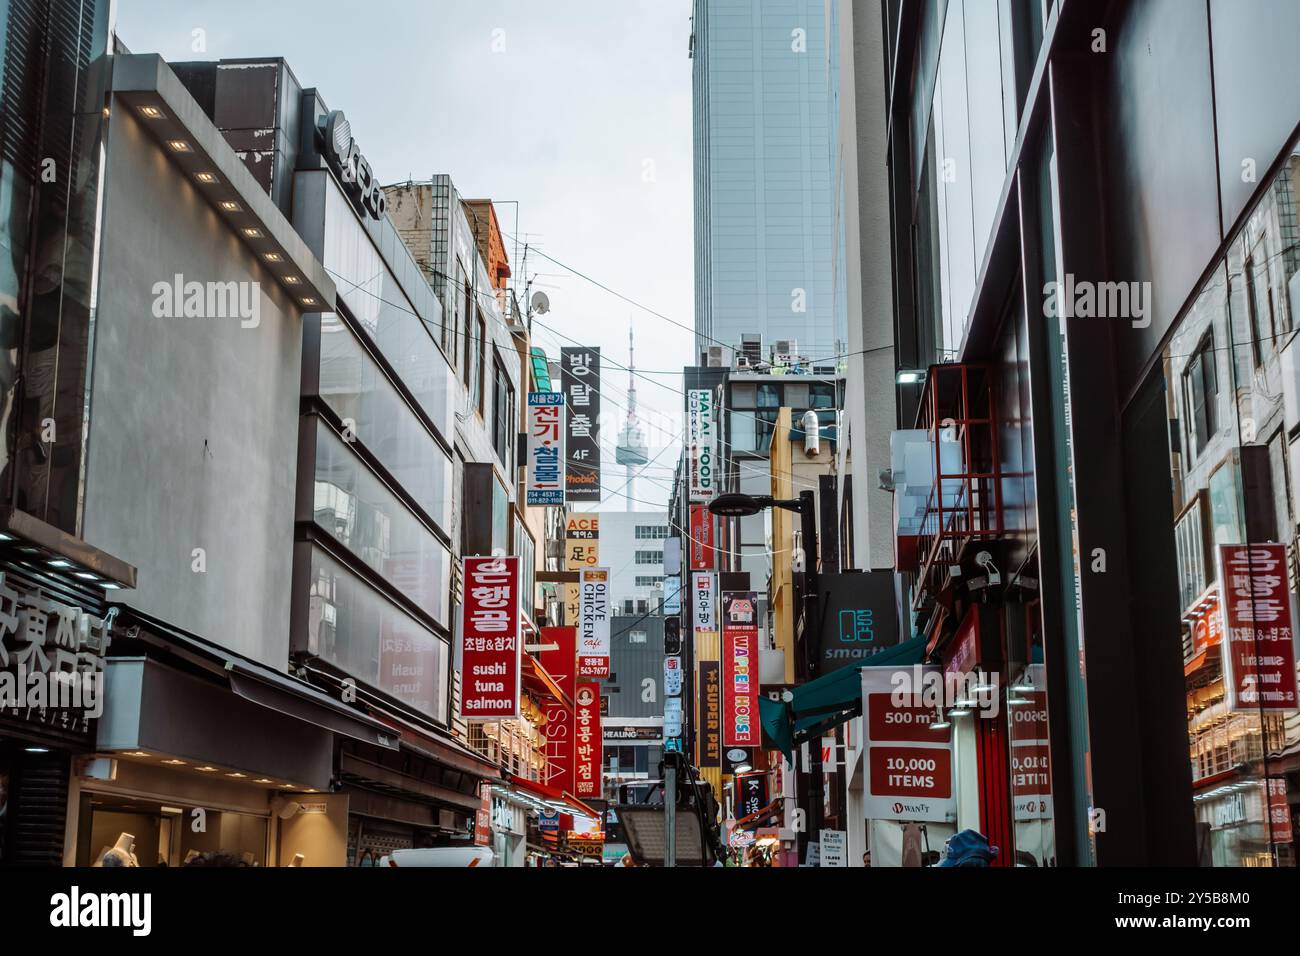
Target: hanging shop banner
column 580, row 386
column 709, row 738
column 908, row 762
column 672, row 676
column 559, row 657
column 1259, row 655
column 1031, row 752
column 672, row 717
column 702, row 542
column 593, row 624
column 739, row 669
column 545, row 448
column 704, row 591
column 858, row 617
column 588, row 741
column 672, row 595
column 1279, row 811
column 581, row 551
column 701, row 444
column 490, row 665
column 751, row 794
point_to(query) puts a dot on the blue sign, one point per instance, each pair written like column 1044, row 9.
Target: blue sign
column 548, row 820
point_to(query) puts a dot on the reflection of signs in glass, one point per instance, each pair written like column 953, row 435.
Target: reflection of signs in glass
column 857, row 626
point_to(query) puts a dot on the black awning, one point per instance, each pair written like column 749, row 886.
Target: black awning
column 263, row 685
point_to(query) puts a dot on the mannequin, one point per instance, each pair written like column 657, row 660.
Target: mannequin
column 121, row 853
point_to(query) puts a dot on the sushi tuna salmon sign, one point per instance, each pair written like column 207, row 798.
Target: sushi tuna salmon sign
column 490, row 639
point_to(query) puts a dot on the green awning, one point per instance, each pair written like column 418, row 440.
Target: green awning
column 541, row 369
column 828, row 701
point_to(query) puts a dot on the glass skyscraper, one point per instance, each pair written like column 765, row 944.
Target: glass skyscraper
column 763, row 213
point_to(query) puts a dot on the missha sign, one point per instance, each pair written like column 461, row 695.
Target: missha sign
column 343, row 153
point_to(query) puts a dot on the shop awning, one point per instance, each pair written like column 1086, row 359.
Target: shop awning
column 258, row 683
column 552, row 794
column 537, row 680
column 828, row 701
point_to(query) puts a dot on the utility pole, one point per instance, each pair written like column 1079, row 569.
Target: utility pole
column 811, row 635
column 670, row 809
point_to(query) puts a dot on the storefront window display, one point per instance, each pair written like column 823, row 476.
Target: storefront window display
column 153, row 833
column 1233, row 397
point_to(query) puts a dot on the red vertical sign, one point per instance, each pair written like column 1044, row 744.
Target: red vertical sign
column 490, row 669
column 559, row 658
column 1259, row 656
column 702, row 543
column 588, row 742
column 740, row 669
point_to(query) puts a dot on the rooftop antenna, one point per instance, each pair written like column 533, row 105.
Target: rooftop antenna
column 631, row 449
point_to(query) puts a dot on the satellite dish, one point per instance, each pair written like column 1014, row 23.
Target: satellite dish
column 541, row 303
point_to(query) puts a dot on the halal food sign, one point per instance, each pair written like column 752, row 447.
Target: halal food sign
column 702, row 441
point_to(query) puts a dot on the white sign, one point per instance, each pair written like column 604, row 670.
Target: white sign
column 672, row 676
column 704, row 594
column 672, row 595
column 701, row 445
column 593, row 623
column 545, row 448
column 907, row 748
column 672, row 717
column 834, row 848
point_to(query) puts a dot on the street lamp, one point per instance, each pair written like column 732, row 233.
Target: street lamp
column 736, row 505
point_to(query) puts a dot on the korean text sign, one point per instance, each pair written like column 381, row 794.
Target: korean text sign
column 702, row 543
column 545, row 448
column 1259, row 653
column 588, row 741
column 704, row 588
column 593, row 623
column 580, row 387
column 490, row 639
column 740, row 669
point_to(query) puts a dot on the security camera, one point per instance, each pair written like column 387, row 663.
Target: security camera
column 985, row 561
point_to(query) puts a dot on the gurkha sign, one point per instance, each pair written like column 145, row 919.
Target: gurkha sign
column 701, row 445
column 51, row 660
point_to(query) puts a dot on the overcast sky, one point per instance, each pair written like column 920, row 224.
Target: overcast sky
column 578, row 109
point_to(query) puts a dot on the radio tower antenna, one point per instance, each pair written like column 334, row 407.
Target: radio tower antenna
column 631, row 450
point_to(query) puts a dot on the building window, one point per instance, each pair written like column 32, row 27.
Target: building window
column 649, row 557
column 649, row 581
column 503, row 416
column 636, row 637
column 651, row 532
column 476, row 346
column 1202, row 392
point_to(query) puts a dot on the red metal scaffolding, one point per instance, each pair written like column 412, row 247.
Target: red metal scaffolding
column 959, row 412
